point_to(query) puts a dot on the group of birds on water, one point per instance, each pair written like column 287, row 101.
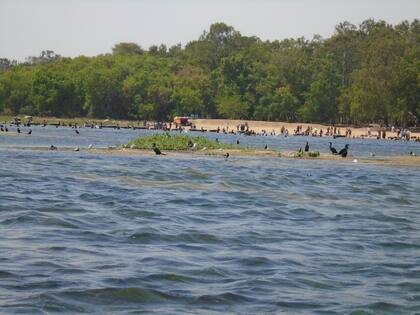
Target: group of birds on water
column 343, row 152
column 5, row 129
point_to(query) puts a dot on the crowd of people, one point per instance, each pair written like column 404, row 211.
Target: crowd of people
column 330, row 131
column 393, row 133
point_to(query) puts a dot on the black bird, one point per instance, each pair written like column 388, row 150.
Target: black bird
column 190, row 144
column 265, row 147
column 77, row 131
column 18, row 130
column 53, row 147
column 307, row 146
column 343, row 152
column 157, row 150
column 1, row 128
column 30, row 131
column 5, row 129
column 332, row 149
column 237, row 141
column 226, row 155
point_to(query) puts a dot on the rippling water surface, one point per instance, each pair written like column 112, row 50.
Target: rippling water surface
column 91, row 233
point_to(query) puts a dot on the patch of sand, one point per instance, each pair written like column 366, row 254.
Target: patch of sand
column 410, row 161
column 269, row 126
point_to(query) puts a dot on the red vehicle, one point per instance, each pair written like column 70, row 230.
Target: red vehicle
column 183, row 121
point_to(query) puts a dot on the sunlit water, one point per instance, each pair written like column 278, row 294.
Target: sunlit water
column 92, row 233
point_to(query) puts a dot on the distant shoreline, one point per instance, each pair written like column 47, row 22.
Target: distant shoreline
column 211, row 125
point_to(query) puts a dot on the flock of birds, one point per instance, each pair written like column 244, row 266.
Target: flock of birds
column 343, row 152
column 5, row 129
column 192, row 146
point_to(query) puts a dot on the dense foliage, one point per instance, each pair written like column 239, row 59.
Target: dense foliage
column 369, row 73
column 166, row 141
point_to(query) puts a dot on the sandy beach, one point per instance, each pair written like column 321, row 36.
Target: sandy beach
column 213, row 124
column 269, row 126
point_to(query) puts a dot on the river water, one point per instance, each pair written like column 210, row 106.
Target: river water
column 98, row 233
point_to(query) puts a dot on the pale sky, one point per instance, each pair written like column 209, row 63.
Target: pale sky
column 92, row 27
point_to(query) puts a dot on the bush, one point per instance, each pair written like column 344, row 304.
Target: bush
column 166, row 141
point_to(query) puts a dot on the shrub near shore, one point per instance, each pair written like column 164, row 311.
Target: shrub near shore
column 170, row 142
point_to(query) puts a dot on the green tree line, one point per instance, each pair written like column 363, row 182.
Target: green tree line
column 361, row 74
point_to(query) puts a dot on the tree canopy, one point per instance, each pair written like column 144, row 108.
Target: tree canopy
column 361, row 74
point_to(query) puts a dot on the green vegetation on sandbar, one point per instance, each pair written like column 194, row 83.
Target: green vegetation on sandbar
column 167, row 141
column 301, row 154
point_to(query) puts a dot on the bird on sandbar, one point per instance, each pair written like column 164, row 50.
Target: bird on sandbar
column 53, row 147
column 18, row 130
column 332, row 149
column 343, row 152
column 77, row 131
column 192, row 145
column 30, row 131
column 265, row 147
column 307, row 146
column 237, row 141
column 226, row 155
column 157, row 150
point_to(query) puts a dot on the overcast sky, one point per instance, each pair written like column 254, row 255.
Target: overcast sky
column 91, row 27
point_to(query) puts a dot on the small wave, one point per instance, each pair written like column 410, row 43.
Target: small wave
column 318, row 284
column 411, row 286
column 255, row 261
column 39, row 219
column 173, row 277
column 384, row 307
column 399, row 201
column 303, row 213
column 118, row 295
column 225, row 298
column 211, row 272
column 299, row 304
column 400, row 245
column 148, row 237
column 6, row 274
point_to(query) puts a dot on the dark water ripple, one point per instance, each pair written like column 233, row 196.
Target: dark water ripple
column 112, row 234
